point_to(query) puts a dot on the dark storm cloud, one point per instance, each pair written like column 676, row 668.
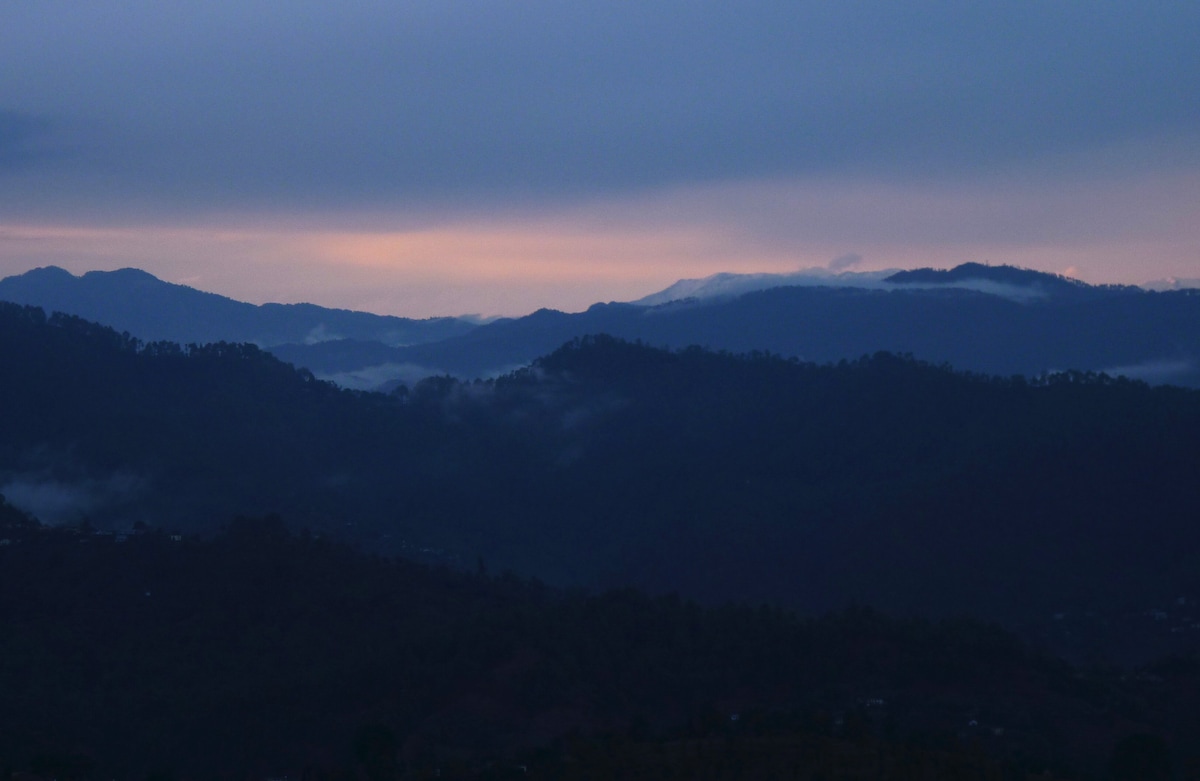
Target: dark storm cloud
column 306, row 104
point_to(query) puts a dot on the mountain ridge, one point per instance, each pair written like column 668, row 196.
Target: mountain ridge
column 990, row 319
column 137, row 302
column 883, row 481
column 1155, row 336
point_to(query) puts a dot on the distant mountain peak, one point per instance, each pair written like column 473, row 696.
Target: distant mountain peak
column 151, row 309
column 1016, row 284
column 46, row 273
column 56, row 275
column 969, row 272
column 124, row 275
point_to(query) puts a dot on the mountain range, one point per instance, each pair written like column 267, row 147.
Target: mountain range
column 161, row 608
column 133, row 301
column 988, row 319
column 998, row 320
column 885, row 480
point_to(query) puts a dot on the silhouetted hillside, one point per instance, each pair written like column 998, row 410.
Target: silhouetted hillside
column 260, row 654
column 886, row 480
column 98, row 425
column 1067, row 502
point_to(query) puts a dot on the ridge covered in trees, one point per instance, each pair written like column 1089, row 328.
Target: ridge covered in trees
column 1042, row 503
column 259, row 653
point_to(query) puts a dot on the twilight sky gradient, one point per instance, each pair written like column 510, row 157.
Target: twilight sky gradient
column 422, row 157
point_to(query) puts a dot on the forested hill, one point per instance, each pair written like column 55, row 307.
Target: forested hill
column 99, row 426
column 259, row 654
column 885, row 480
column 882, row 481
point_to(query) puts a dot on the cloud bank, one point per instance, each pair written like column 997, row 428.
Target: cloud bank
column 474, row 105
column 429, row 158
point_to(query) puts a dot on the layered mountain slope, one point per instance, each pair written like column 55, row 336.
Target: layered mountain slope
column 883, row 481
column 997, row 320
column 138, row 303
column 992, row 319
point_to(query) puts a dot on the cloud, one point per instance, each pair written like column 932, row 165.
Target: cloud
column 503, row 156
column 319, row 334
column 479, row 106
column 1171, row 283
column 380, row 377
column 843, row 262
column 19, row 134
column 1159, row 372
column 60, row 501
column 726, row 285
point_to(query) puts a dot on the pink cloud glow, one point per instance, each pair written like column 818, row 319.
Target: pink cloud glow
column 1126, row 231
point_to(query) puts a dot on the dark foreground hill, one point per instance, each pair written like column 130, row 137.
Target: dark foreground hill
column 1063, row 507
column 258, row 654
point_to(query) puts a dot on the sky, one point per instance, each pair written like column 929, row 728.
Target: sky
column 436, row 157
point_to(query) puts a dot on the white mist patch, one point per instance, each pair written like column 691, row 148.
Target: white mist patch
column 1171, row 283
column 843, row 262
column 1160, row 372
column 320, row 334
column 54, row 501
column 727, row 285
column 370, row 378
